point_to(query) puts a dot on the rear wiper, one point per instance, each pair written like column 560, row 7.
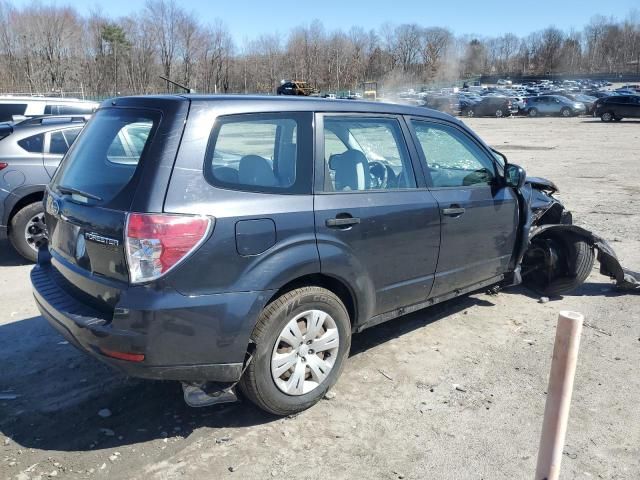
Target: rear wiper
column 70, row 190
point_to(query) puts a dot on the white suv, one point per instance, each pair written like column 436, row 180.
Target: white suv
column 11, row 107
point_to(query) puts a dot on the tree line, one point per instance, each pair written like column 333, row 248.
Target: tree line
column 50, row 48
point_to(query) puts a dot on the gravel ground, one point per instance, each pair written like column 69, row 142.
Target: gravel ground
column 453, row 392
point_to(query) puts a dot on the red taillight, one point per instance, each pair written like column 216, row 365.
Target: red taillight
column 3, row 165
column 129, row 357
column 157, row 242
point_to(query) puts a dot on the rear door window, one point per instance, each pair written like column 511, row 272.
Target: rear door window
column 58, row 144
column 106, row 155
column 365, row 154
column 261, row 153
column 61, row 140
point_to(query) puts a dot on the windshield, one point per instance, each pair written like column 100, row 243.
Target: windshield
column 104, row 158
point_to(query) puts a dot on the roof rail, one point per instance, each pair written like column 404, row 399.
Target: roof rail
column 44, row 119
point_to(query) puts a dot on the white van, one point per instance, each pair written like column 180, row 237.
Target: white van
column 11, row 106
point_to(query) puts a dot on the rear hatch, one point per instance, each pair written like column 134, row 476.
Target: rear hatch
column 121, row 162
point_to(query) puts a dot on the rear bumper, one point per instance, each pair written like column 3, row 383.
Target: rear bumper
column 189, row 338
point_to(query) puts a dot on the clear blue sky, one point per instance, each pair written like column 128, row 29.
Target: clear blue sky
column 249, row 18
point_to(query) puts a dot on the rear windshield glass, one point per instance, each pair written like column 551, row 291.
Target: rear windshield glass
column 106, row 155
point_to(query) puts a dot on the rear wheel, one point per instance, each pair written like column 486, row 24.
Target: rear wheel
column 302, row 340
column 556, row 264
column 28, row 230
column 533, row 112
column 607, row 116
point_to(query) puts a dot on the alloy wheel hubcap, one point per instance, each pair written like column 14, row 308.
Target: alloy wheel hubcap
column 305, row 352
column 35, row 231
column 606, row 117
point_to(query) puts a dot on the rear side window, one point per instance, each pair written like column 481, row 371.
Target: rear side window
column 32, row 144
column 106, row 155
column 68, row 109
column 261, row 153
column 8, row 110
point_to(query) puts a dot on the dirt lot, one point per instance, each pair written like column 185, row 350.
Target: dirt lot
column 455, row 392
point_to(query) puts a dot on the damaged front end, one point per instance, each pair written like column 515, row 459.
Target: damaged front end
column 556, row 256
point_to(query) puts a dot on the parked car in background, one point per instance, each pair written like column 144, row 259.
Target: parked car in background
column 490, row 106
column 11, row 107
column 296, row 88
column 443, row 103
column 553, row 105
column 250, row 253
column 587, row 100
column 617, row 107
column 30, row 152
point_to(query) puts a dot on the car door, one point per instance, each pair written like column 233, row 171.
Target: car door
column 56, row 144
column 377, row 225
column 479, row 214
column 626, row 106
column 634, row 107
column 544, row 105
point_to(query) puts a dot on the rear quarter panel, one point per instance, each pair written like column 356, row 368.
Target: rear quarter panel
column 218, row 266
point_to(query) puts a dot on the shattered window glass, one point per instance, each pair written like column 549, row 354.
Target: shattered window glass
column 453, row 159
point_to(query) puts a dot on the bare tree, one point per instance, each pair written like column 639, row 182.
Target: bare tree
column 435, row 41
column 47, row 47
column 165, row 17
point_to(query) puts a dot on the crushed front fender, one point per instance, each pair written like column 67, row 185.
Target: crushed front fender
column 626, row 279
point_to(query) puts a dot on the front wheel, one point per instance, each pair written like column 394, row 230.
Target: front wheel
column 499, row 113
column 533, row 112
column 606, row 117
column 28, row 230
column 565, row 112
column 301, row 342
column 556, row 264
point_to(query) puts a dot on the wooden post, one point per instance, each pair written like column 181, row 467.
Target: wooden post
column 556, row 410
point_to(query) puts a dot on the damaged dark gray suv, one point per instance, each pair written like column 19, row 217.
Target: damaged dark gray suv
column 241, row 240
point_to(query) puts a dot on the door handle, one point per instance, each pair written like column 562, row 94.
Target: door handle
column 341, row 222
column 453, row 211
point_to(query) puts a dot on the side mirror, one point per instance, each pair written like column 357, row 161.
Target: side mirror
column 514, row 175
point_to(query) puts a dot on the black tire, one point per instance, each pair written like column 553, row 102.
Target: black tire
column 258, row 384
column 499, row 113
column 566, row 112
column 533, row 112
column 607, row 116
column 471, row 113
column 579, row 257
column 19, row 224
